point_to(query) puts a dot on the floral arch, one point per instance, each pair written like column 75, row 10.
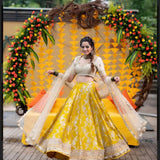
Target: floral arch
column 141, row 60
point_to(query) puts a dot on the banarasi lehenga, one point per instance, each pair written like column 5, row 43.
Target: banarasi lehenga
column 81, row 129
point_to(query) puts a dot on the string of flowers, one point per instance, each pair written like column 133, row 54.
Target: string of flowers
column 21, row 47
column 142, row 47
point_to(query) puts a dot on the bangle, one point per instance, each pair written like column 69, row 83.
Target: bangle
column 112, row 79
column 55, row 73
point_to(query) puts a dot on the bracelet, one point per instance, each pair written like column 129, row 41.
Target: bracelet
column 55, row 73
column 112, row 79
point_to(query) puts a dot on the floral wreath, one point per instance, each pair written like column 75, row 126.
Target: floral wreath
column 21, row 47
column 142, row 49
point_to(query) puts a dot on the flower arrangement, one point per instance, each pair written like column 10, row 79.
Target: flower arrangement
column 142, row 47
column 21, row 47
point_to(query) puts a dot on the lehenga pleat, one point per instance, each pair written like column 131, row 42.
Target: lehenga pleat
column 82, row 130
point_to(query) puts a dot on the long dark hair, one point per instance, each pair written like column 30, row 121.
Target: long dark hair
column 91, row 43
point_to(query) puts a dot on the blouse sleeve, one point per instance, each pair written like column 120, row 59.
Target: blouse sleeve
column 101, row 70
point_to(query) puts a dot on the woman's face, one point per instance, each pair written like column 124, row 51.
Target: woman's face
column 86, row 48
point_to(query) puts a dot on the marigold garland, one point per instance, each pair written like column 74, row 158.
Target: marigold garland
column 128, row 27
column 21, row 47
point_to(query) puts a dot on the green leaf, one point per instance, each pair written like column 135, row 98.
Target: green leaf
column 21, row 97
column 131, row 58
column 27, row 94
column 34, row 53
column 49, row 35
column 44, row 36
column 33, row 64
column 119, row 35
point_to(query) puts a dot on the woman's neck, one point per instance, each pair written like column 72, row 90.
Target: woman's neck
column 87, row 56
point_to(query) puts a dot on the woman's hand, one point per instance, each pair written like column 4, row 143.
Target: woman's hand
column 117, row 79
column 50, row 72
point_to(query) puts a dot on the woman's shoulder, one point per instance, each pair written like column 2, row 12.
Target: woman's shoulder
column 97, row 59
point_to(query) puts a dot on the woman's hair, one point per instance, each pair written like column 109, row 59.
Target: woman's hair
column 91, row 43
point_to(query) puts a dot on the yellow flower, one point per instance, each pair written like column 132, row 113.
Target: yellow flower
column 132, row 21
column 155, row 70
column 151, row 37
column 108, row 15
column 144, row 53
column 13, row 79
column 24, row 23
column 135, row 27
column 28, row 45
column 124, row 14
column 149, row 41
column 35, row 34
column 114, row 15
column 21, row 60
column 155, row 52
column 17, row 37
column 112, row 21
column 119, row 6
column 21, row 85
column 32, row 25
column 16, row 54
column 120, row 19
column 155, row 45
column 19, row 78
column 29, row 19
column 46, row 15
column 123, row 32
column 136, row 37
column 5, row 83
column 10, row 85
column 28, row 29
column 7, row 57
column 6, row 76
column 103, row 17
column 133, row 30
column 151, row 56
column 27, row 37
column 26, row 54
column 16, row 104
column 106, row 22
column 9, row 49
column 32, row 16
column 40, row 29
column 132, row 15
column 13, row 60
column 41, row 10
column 143, row 40
column 130, row 32
column 21, row 40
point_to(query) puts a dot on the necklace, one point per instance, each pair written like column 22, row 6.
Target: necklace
column 86, row 57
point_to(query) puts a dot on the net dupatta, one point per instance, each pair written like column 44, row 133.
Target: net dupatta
column 134, row 122
column 33, row 120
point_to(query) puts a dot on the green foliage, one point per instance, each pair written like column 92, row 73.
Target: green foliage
column 146, row 69
column 146, row 31
column 112, row 8
column 131, row 57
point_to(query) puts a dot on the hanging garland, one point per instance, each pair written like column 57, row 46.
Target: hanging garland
column 21, row 47
column 142, row 46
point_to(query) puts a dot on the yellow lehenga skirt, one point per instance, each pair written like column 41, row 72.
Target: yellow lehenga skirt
column 82, row 129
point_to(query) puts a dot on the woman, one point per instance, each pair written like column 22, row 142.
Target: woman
column 82, row 128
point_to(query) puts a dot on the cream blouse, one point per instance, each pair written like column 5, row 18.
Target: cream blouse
column 83, row 67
